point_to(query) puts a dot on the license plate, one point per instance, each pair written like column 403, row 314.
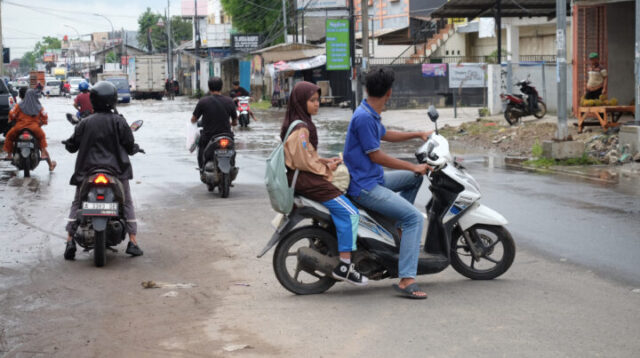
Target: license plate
column 222, row 152
column 25, row 145
column 99, row 209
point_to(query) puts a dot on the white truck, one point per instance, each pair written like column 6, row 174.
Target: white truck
column 149, row 77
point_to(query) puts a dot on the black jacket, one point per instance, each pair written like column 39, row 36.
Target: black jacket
column 105, row 141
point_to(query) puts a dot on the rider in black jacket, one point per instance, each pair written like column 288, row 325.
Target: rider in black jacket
column 103, row 140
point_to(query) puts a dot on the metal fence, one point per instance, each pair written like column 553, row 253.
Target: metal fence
column 414, row 60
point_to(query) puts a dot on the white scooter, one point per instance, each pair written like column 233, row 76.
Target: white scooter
column 461, row 232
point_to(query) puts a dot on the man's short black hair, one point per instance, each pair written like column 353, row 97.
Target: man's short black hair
column 22, row 92
column 236, row 83
column 379, row 81
column 215, row 84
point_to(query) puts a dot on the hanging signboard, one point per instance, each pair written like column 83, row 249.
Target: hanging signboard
column 467, row 75
column 338, row 56
column 245, row 42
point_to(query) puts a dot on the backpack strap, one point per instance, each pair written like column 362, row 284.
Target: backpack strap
column 291, row 127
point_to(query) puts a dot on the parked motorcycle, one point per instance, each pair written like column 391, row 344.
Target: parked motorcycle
column 518, row 107
column 219, row 164
column 243, row 111
column 461, row 232
column 101, row 223
column 26, row 152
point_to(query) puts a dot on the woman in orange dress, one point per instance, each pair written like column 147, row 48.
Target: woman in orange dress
column 28, row 114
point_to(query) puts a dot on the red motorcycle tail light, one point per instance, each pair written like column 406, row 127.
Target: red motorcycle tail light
column 224, row 143
column 101, row 179
column 100, row 197
column 26, row 136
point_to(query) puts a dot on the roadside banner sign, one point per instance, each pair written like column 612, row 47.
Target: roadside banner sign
column 434, row 69
column 338, row 56
column 467, row 75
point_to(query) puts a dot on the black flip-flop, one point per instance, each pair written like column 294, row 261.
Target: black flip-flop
column 409, row 291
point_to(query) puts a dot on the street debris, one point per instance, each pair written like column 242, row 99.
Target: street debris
column 636, row 290
column 242, row 284
column 171, row 294
column 153, row 284
column 236, row 347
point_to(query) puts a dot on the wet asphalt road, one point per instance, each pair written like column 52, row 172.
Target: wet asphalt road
column 578, row 247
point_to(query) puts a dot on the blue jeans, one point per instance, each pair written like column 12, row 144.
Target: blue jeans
column 385, row 200
column 345, row 217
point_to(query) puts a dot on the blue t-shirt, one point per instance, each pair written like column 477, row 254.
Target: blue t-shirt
column 363, row 137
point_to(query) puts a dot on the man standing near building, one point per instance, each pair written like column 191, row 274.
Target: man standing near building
column 597, row 78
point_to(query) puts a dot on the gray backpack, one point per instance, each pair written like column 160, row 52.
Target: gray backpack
column 275, row 177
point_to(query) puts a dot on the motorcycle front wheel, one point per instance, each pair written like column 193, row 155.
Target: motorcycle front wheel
column 100, row 249
column 289, row 271
column 497, row 247
column 509, row 115
column 542, row 110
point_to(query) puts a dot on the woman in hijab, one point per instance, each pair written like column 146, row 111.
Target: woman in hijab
column 315, row 175
column 28, row 114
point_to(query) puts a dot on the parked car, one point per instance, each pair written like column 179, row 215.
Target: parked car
column 22, row 82
column 122, row 84
column 52, row 88
column 6, row 103
column 74, row 82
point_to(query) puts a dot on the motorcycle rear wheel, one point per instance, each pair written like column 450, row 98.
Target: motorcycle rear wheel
column 26, row 167
column 100, row 249
column 225, row 185
column 313, row 237
column 489, row 237
column 542, row 110
column 510, row 116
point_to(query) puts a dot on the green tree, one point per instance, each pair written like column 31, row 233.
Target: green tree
column 28, row 62
column 111, row 57
column 47, row 43
column 258, row 16
column 148, row 28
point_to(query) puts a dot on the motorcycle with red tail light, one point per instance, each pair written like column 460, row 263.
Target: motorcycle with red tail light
column 219, row 168
column 26, row 152
column 243, row 110
column 517, row 107
column 100, row 222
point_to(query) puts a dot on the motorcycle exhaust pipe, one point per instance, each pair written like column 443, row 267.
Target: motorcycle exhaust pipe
column 312, row 260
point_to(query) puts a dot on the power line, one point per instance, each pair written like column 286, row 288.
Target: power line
column 41, row 8
column 260, row 6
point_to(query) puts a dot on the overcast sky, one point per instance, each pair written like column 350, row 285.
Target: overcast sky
column 26, row 22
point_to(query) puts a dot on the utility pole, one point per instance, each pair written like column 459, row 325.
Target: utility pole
column 637, row 65
column 364, row 9
column 352, row 52
column 196, row 22
column 284, row 18
column 169, row 37
column 561, row 62
column 1, row 44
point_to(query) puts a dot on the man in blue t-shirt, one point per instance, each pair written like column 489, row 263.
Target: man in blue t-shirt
column 374, row 189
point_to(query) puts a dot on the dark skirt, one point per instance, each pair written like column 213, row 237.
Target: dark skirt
column 313, row 186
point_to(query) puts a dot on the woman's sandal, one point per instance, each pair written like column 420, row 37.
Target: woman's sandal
column 409, row 291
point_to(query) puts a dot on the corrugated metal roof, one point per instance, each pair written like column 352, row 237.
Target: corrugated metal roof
column 472, row 9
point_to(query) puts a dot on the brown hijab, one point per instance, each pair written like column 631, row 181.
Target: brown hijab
column 297, row 109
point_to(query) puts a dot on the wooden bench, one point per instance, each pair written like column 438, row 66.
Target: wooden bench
column 608, row 116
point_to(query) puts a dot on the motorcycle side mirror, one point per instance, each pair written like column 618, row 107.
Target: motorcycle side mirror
column 433, row 113
column 136, row 125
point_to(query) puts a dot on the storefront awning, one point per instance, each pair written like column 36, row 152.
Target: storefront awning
column 299, row 65
column 472, row 9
